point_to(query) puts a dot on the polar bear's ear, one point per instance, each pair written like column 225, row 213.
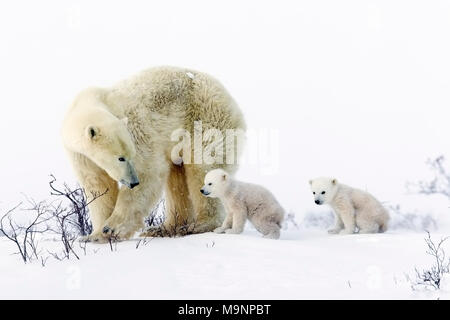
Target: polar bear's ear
column 224, row 176
column 125, row 120
column 334, row 181
column 310, row 182
column 91, row 132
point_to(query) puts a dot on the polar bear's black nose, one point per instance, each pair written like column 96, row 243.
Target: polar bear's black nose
column 135, row 184
column 202, row 191
column 317, row 201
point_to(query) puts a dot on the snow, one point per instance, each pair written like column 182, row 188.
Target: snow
column 304, row 264
column 360, row 89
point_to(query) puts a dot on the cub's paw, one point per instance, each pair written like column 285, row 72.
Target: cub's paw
column 233, row 231
column 346, row 231
column 334, row 231
column 273, row 235
column 219, row 230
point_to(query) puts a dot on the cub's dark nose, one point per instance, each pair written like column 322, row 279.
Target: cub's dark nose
column 202, row 191
column 134, row 184
column 317, row 201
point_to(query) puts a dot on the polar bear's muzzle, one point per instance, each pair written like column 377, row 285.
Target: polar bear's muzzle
column 131, row 179
column 204, row 191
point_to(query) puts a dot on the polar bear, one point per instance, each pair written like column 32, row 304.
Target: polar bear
column 353, row 207
column 244, row 201
column 120, row 143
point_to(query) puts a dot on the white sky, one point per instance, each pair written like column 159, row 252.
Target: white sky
column 355, row 89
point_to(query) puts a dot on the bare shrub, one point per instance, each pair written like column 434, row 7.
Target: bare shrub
column 440, row 184
column 154, row 223
column 24, row 235
column 144, row 242
column 401, row 219
column 180, row 228
column 431, row 278
column 322, row 220
column 289, row 219
column 113, row 240
column 78, row 212
column 156, row 216
column 61, row 217
column 67, row 221
column 71, row 220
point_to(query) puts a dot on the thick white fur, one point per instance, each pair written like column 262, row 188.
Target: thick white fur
column 244, row 201
column 134, row 120
column 353, row 207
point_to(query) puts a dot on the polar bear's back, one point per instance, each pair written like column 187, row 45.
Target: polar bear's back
column 213, row 105
column 258, row 200
column 172, row 98
column 366, row 204
column 199, row 96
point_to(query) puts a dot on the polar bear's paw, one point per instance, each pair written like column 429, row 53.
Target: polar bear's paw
column 346, row 231
column 219, row 230
column 233, row 231
column 94, row 238
column 115, row 229
column 334, row 231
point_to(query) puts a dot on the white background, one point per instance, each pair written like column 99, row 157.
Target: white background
column 355, row 89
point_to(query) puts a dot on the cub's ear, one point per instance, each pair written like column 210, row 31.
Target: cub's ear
column 91, row 132
column 125, row 120
column 334, row 181
column 310, row 182
column 224, row 177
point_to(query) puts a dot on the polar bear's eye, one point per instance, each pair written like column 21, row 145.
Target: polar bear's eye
column 323, row 192
column 210, row 184
column 314, row 192
column 122, row 159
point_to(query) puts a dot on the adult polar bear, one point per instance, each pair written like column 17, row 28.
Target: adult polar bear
column 123, row 134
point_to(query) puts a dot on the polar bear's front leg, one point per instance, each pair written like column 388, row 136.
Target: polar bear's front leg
column 347, row 213
column 227, row 223
column 132, row 206
column 239, row 219
column 339, row 225
column 101, row 193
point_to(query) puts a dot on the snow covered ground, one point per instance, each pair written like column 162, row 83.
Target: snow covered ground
column 304, row 264
column 357, row 89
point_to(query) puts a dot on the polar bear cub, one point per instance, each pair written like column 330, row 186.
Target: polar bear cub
column 353, row 207
column 244, row 201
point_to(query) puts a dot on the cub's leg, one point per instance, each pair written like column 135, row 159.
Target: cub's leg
column 268, row 227
column 347, row 213
column 272, row 231
column 339, row 225
column 227, row 223
column 268, row 222
column 366, row 224
column 239, row 218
